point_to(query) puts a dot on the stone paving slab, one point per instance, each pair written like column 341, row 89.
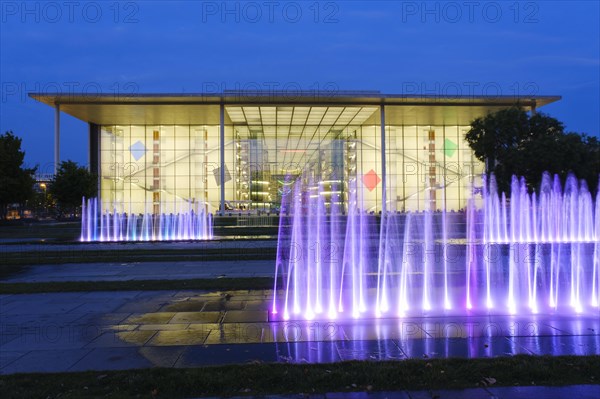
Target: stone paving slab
column 477, row 393
column 560, row 345
column 7, row 357
column 591, row 327
column 108, row 295
column 206, row 355
column 114, row 339
column 370, row 350
column 309, row 352
column 163, row 327
column 147, row 318
column 49, row 337
column 575, row 391
column 196, row 317
column 112, row 359
column 178, row 338
column 232, row 334
column 545, row 392
column 103, row 319
column 461, row 347
column 246, row 316
column 102, row 330
column 46, row 361
column 162, row 356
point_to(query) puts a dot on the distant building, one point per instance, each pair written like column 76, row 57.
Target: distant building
column 240, row 150
column 42, row 182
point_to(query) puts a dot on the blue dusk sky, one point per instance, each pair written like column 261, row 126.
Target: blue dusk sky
column 402, row 47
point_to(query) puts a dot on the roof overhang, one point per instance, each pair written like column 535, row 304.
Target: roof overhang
column 203, row 108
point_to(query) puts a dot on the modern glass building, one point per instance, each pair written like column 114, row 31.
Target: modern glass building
column 238, row 151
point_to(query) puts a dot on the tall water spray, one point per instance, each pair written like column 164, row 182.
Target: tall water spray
column 324, row 252
column 553, row 240
column 103, row 222
column 525, row 252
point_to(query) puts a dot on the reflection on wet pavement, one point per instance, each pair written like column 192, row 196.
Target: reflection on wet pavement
column 233, row 324
column 117, row 330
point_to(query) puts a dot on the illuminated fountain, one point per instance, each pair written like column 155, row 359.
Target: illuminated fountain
column 322, row 255
column 554, row 243
column 103, row 222
column 525, row 253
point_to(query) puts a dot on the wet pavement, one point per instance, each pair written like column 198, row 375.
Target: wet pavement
column 573, row 391
column 133, row 329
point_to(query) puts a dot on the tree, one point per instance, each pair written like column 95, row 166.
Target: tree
column 71, row 183
column 16, row 182
column 512, row 142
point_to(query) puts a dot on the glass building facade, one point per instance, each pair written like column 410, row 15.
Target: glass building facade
column 162, row 165
column 159, row 153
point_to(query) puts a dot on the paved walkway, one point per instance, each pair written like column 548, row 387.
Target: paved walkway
column 136, row 329
column 573, row 391
column 144, row 271
column 216, row 244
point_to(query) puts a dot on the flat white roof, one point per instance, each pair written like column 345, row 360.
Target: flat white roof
column 203, row 108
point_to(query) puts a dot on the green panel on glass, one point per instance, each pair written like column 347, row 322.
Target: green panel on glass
column 449, row 147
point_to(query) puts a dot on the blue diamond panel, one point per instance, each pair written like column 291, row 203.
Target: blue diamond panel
column 138, row 150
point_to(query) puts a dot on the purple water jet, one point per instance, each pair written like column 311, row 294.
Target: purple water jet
column 526, row 252
column 102, row 222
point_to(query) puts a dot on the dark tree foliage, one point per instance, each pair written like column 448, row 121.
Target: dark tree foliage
column 16, row 182
column 71, row 183
column 512, row 142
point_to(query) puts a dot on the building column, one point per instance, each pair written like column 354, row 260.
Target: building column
column 222, row 156
column 432, row 172
column 94, row 151
column 56, row 137
column 156, row 178
column 383, row 166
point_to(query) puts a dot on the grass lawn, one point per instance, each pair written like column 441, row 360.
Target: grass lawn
column 260, row 379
